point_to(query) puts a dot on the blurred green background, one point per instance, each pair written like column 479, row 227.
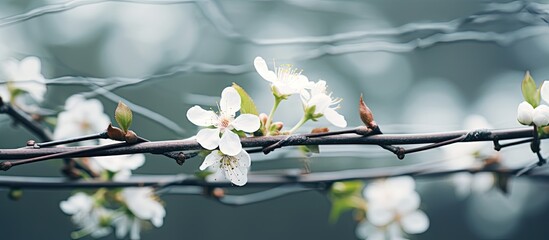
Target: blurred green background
column 422, row 66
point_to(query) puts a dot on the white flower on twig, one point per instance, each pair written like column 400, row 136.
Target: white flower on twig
column 81, row 117
column 392, row 209
column 224, row 123
column 235, row 168
column 22, row 76
column 285, row 80
column 144, row 207
column 323, row 104
column 91, row 218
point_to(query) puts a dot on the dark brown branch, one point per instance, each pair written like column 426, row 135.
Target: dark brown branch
column 26, row 121
column 186, row 145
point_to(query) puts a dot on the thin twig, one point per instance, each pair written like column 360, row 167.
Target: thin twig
column 319, row 180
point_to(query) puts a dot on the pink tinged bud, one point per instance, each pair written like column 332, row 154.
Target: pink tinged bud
column 263, row 118
column 278, row 125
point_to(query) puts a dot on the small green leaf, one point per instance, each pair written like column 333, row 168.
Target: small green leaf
column 345, row 196
column 203, row 174
column 247, row 104
column 530, row 91
column 123, row 116
column 313, row 148
column 339, row 207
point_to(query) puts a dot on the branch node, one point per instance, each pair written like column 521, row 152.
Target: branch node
column 180, row 158
column 364, row 131
column 31, row 143
column 5, row 165
column 401, row 153
column 476, row 135
column 497, row 146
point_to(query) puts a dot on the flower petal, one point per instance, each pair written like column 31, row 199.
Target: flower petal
column 208, row 138
column 122, row 226
column 415, row 222
column 200, row 117
column 540, row 116
column 247, row 123
column 335, row 118
column 263, row 70
column 230, row 101
column 545, row 91
column 235, row 171
column 408, row 203
column 211, row 159
column 243, row 159
column 135, row 230
column 525, row 113
column 365, row 230
column 30, row 66
column 462, row 182
column 378, row 215
column 482, row 182
column 283, row 89
column 118, row 163
column 230, row 143
column 321, row 101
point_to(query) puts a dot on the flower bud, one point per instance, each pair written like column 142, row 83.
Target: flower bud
column 524, row 113
column 115, row 133
column 131, row 137
column 366, row 114
column 263, row 118
column 541, row 115
column 278, row 126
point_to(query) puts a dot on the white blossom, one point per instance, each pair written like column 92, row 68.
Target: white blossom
column 24, row 75
column 144, row 207
column 323, row 104
column 91, row 218
column 118, row 163
column 392, row 210
column 285, row 80
column 223, row 124
column 81, row 117
column 235, row 168
column 526, row 114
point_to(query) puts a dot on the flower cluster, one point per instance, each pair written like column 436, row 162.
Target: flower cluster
column 231, row 158
column 392, row 209
column 317, row 102
column 531, row 111
column 94, row 214
column 21, row 79
column 223, row 130
column 135, row 205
